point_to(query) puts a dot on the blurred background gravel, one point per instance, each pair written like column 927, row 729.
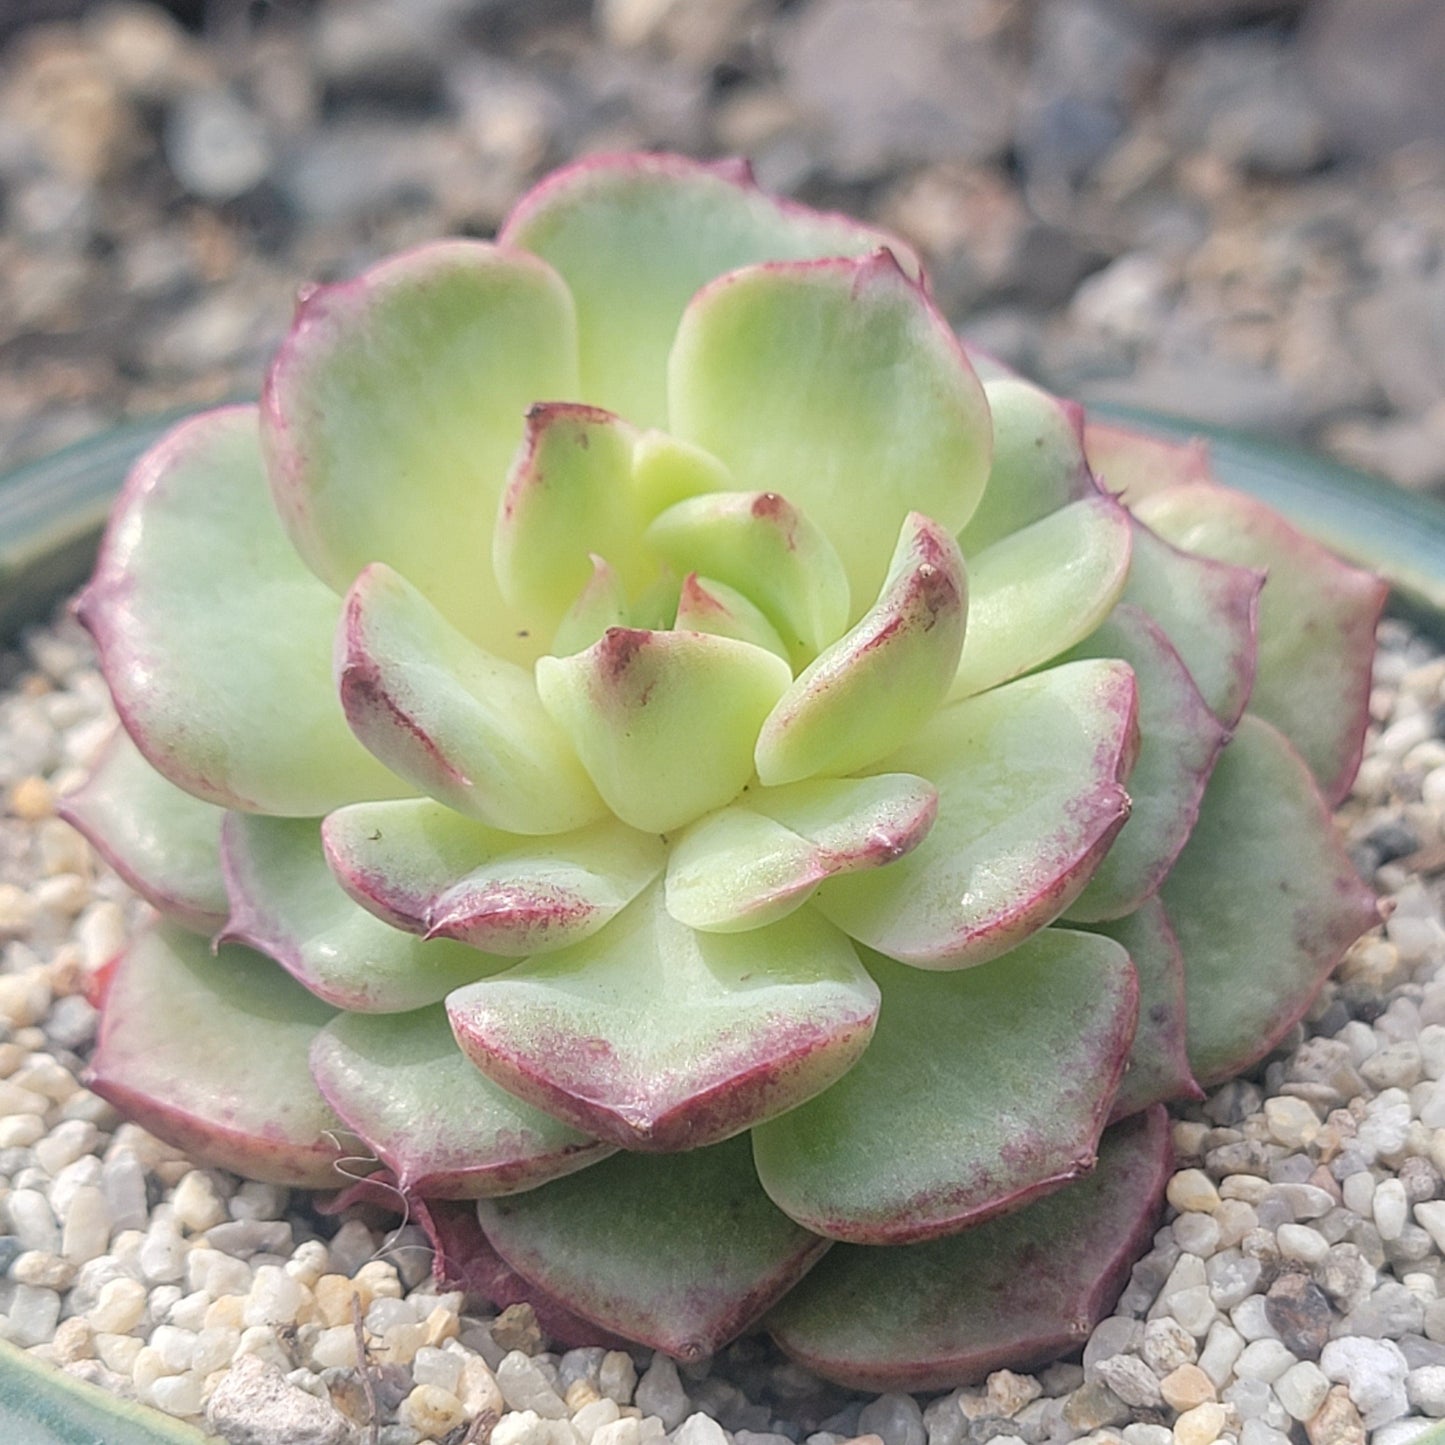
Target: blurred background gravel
column 1233, row 209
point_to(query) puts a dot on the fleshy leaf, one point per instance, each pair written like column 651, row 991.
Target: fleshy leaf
column 392, row 410
column 601, row 604
column 1158, row 1070
column 759, row 543
column 464, row 1260
column 708, row 606
column 636, row 235
column 1179, row 739
column 443, row 1129
column 760, row 859
column 1259, row 884
column 568, row 498
column 656, row 1037
column 982, row 1089
column 1317, row 621
column 1208, row 609
column 837, row 384
column 1133, row 466
column 421, row 867
column 208, row 1052
column 861, row 697
column 458, row 723
column 1038, row 462
column 664, row 722
column 666, row 471
column 287, row 903
column 1014, row 1292
column 214, row 639
column 1030, row 781
column 681, row 1253
column 163, row 841
column 1037, row 592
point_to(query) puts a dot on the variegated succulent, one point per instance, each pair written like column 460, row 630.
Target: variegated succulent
column 721, row 793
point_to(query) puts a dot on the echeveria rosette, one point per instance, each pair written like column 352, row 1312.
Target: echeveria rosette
column 732, row 795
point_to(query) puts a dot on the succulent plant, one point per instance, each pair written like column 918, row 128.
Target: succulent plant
column 739, row 808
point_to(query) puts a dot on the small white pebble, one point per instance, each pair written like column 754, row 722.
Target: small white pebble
column 1299, row 1241
column 1193, row 1189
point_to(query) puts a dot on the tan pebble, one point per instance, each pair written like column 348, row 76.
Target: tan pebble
column 334, row 1347
column 74, row 1340
column 380, row 1277
column 398, row 1346
column 1337, row 1421
column 334, row 1294
column 431, row 1411
column 1008, row 1393
column 1186, row 1387
column 1201, row 1425
column 1193, row 1191
column 17, row 911
column 580, row 1393
column 440, row 1326
column 516, row 1328
column 24, row 997
column 119, row 1306
column 43, row 1270
column 31, row 799
column 198, row 1207
column 1291, row 1121
column 226, row 1313
column 149, row 1366
column 478, row 1389
column 118, row 1352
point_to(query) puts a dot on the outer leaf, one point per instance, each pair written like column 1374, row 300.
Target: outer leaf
column 423, row 868
column 757, row 861
column 214, row 639
column 443, row 1129
column 209, row 1053
column 1158, row 1070
column 1179, row 740
column 680, row 1253
column 1209, row 611
column 664, row 722
column 655, row 1037
column 1038, row 461
column 392, row 410
column 636, row 235
column 1259, row 884
column 601, row 604
column 981, row 1090
column 872, row 688
column 1133, row 466
column 1037, row 592
column 164, row 842
column 569, row 497
column 287, row 903
column 458, row 723
column 1316, row 623
column 1030, row 781
column 763, row 546
column 1013, row 1293
column 839, row 385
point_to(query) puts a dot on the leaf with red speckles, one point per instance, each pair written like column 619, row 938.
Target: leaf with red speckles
column 664, row 722
column 1038, row 461
column 871, row 690
column 425, row 869
column 636, row 235
column 1264, row 900
column 1030, row 778
column 706, row 605
column 442, row 1128
column 760, row 859
column 1317, row 619
column 1179, row 740
column 163, row 841
column 838, row 384
column 657, row 1037
column 982, row 1089
column 1158, row 1069
column 456, row 722
column 1037, row 592
column 463, row 1259
column 209, row 1052
column 762, row 545
column 286, row 902
column 1013, row 1293
column 680, row 1252
column 1132, row 465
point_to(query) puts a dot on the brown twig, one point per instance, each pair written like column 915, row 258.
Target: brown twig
column 363, row 1368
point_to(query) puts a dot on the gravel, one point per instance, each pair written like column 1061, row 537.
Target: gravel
column 1295, row 1280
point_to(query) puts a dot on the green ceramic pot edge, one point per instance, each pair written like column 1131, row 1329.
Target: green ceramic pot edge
column 1399, row 535
column 41, row 1405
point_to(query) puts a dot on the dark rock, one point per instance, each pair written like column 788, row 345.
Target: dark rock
column 1299, row 1310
